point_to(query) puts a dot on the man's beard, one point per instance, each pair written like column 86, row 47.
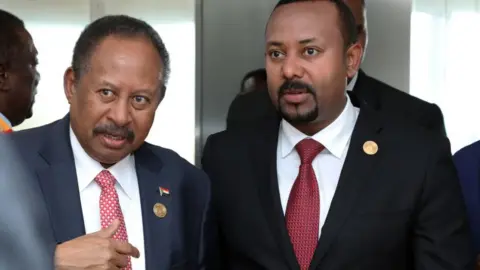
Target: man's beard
column 298, row 118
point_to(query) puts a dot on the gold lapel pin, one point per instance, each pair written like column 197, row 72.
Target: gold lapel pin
column 370, row 148
column 160, row 210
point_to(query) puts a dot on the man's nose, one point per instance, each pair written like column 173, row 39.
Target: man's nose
column 120, row 114
column 292, row 68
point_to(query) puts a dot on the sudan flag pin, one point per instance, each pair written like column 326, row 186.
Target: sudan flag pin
column 164, row 191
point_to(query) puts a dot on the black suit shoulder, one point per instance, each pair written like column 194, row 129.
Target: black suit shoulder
column 395, row 101
column 394, row 96
column 250, row 109
column 401, row 130
column 226, row 142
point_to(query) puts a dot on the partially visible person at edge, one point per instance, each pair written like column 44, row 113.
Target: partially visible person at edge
column 467, row 162
column 26, row 240
column 254, row 108
column 18, row 72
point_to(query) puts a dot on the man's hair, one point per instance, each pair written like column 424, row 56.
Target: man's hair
column 11, row 41
column 346, row 18
column 115, row 25
column 260, row 73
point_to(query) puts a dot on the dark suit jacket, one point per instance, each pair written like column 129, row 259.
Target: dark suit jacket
column 254, row 108
column 467, row 161
column 173, row 242
column 399, row 209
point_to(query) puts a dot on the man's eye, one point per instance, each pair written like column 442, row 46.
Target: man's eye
column 106, row 92
column 276, row 54
column 140, row 99
column 311, row 51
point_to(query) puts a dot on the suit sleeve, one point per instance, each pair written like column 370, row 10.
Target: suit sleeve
column 434, row 120
column 442, row 238
column 213, row 257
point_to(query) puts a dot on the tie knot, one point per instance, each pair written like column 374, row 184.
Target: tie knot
column 105, row 179
column 308, row 149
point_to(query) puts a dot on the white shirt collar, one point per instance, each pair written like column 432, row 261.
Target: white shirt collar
column 88, row 168
column 352, row 83
column 335, row 137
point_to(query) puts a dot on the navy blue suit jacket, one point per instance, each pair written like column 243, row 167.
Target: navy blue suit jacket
column 467, row 161
column 173, row 242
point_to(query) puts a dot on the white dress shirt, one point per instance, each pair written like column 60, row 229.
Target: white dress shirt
column 327, row 165
column 128, row 193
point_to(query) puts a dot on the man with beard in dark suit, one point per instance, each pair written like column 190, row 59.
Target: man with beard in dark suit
column 331, row 183
column 254, row 108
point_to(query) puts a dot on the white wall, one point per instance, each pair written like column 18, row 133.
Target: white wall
column 388, row 52
column 232, row 44
column 55, row 26
column 444, row 63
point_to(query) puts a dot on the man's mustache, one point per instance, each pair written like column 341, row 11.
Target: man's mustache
column 295, row 85
column 114, row 130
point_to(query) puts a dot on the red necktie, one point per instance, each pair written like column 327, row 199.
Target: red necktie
column 110, row 207
column 303, row 208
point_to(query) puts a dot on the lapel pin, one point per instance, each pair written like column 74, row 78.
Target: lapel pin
column 370, row 148
column 164, row 191
column 160, row 210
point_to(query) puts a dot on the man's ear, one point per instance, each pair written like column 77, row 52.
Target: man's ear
column 4, row 79
column 353, row 59
column 69, row 85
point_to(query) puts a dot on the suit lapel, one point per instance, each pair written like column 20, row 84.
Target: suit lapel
column 264, row 156
column 356, row 171
column 153, row 174
column 58, row 180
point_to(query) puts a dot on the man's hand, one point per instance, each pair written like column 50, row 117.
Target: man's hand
column 95, row 251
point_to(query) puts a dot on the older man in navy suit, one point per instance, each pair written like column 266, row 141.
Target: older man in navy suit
column 115, row 201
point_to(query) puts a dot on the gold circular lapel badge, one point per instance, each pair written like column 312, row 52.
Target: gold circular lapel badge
column 160, row 210
column 370, row 148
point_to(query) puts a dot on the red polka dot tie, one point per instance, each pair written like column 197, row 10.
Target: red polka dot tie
column 110, row 207
column 303, row 207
